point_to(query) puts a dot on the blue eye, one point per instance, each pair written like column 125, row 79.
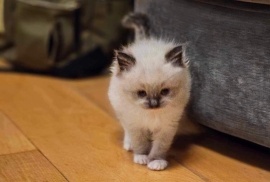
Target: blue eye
column 141, row 93
column 165, row 91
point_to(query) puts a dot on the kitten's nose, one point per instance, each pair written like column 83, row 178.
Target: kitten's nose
column 153, row 103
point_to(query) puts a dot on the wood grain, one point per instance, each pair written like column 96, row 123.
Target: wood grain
column 219, row 157
column 81, row 140
column 11, row 138
column 71, row 123
column 94, row 90
column 212, row 156
column 29, row 166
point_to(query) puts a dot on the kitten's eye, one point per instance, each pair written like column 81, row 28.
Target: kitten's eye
column 165, row 91
column 141, row 93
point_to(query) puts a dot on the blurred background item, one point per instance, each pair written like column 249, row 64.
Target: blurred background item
column 66, row 38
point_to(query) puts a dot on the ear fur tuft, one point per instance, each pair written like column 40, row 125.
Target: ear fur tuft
column 124, row 60
column 176, row 57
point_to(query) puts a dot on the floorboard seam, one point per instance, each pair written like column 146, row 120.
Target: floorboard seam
column 14, row 153
column 15, row 124
column 89, row 99
column 194, row 172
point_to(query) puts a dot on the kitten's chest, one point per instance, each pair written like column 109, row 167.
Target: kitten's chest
column 150, row 121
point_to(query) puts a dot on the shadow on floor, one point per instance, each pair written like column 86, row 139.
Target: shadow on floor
column 224, row 144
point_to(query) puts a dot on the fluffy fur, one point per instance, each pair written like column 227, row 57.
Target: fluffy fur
column 141, row 73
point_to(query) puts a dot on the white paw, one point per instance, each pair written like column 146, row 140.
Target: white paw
column 157, row 165
column 140, row 159
column 127, row 146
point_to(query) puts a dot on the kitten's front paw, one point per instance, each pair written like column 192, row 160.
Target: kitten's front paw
column 140, row 159
column 157, row 165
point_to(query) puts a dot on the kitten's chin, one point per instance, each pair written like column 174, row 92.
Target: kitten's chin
column 150, row 108
column 153, row 109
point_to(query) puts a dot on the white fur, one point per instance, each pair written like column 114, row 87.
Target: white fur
column 127, row 142
column 140, row 159
column 157, row 165
column 150, row 68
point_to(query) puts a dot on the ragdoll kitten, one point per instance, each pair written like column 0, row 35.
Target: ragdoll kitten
column 149, row 90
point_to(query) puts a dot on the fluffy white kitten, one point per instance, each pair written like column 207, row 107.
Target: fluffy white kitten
column 149, row 90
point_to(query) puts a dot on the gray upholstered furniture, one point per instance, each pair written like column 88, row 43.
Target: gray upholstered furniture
column 229, row 49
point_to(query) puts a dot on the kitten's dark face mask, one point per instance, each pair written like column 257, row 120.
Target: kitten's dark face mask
column 153, row 99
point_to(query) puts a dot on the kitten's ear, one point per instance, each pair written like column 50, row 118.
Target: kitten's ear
column 176, row 57
column 125, row 61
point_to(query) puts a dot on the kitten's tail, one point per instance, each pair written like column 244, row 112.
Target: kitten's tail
column 139, row 23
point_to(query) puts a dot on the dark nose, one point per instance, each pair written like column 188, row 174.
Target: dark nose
column 153, row 103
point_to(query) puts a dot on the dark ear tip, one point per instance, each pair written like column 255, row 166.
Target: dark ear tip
column 125, row 61
column 179, row 48
column 175, row 56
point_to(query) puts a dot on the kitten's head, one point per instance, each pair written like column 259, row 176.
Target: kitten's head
column 152, row 74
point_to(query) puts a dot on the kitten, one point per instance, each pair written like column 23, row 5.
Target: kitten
column 149, row 90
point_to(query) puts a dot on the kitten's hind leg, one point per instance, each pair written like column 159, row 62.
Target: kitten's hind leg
column 139, row 22
column 127, row 141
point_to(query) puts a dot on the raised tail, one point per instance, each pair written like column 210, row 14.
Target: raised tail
column 139, row 23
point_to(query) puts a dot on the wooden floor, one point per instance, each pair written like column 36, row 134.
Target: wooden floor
column 60, row 130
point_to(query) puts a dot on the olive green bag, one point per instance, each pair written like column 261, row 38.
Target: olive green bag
column 46, row 33
column 53, row 34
